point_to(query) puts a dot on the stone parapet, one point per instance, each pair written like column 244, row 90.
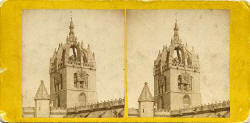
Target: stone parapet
column 55, row 110
column 196, row 110
column 28, row 112
column 207, row 108
column 58, row 112
column 110, row 104
column 28, row 109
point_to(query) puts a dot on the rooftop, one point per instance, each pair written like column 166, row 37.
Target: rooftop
column 145, row 94
column 42, row 93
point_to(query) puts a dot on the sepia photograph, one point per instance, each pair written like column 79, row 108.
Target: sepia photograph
column 73, row 63
column 178, row 63
column 124, row 61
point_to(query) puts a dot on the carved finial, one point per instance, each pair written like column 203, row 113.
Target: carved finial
column 88, row 46
column 165, row 46
column 82, row 44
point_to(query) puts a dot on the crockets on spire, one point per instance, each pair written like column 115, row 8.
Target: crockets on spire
column 71, row 27
column 71, row 37
column 176, row 38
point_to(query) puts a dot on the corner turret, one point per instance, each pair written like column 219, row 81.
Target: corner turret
column 42, row 100
column 146, row 102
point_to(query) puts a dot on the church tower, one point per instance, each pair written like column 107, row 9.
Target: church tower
column 176, row 76
column 72, row 73
column 42, row 100
column 146, row 102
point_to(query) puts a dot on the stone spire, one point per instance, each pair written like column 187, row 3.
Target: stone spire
column 42, row 93
column 145, row 94
column 71, row 37
column 176, row 28
column 176, row 33
column 71, row 27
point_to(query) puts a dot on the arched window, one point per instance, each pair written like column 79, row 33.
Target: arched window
column 179, row 81
column 63, row 56
column 162, row 103
column 75, row 79
column 72, row 52
column 186, row 101
column 185, row 82
column 58, row 101
column 82, row 99
column 61, row 81
column 85, row 59
column 81, row 84
column 55, row 63
column 189, row 61
column 165, row 81
column 190, row 83
column 178, row 55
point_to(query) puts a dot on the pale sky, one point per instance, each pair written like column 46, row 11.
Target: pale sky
column 43, row 30
column 208, row 31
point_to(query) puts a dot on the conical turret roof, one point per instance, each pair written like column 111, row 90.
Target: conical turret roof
column 42, row 93
column 145, row 94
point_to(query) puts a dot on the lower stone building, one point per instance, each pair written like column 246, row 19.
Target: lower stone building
column 147, row 108
column 43, row 108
